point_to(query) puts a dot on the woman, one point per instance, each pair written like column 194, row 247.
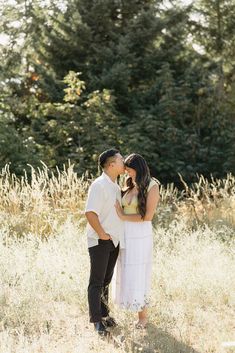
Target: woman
column 134, row 266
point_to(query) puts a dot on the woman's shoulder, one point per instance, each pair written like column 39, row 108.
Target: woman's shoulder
column 153, row 182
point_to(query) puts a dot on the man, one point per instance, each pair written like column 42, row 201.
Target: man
column 105, row 233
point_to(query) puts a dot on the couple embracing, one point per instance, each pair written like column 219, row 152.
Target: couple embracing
column 119, row 230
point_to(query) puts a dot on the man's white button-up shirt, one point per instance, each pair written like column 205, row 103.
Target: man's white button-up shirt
column 102, row 196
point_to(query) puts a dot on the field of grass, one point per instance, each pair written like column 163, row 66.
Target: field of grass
column 44, row 269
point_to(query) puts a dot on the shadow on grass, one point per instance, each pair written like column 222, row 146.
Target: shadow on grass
column 150, row 340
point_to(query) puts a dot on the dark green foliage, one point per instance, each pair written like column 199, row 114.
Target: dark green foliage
column 125, row 74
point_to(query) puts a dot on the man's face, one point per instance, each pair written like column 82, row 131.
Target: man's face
column 118, row 164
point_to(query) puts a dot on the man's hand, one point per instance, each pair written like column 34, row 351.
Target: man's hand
column 93, row 220
column 105, row 236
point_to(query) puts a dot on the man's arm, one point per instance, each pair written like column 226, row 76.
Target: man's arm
column 94, row 222
column 94, row 205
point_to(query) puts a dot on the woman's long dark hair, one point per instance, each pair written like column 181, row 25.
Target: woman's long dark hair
column 143, row 178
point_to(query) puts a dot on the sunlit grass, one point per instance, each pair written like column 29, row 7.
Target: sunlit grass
column 41, row 204
column 44, row 271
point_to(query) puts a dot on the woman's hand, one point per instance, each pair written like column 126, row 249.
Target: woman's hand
column 119, row 210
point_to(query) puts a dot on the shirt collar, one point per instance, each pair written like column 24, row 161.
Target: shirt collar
column 105, row 176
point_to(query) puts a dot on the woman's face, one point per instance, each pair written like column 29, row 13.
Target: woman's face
column 131, row 172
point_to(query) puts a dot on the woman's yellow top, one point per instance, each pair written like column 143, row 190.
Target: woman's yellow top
column 132, row 207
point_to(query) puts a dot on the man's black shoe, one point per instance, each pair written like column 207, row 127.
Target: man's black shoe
column 110, row 322
column 101, row 328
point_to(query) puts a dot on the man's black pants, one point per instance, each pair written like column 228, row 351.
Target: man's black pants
column 103, row 258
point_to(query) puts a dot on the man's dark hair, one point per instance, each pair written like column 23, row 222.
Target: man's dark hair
column 105, row 156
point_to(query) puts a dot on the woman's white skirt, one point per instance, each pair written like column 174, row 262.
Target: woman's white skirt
column 132, row 276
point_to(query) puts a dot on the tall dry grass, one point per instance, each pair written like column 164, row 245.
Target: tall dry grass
column 44, row 269
column 38, row 203
column 204, row 202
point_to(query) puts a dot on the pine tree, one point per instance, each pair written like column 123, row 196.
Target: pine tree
column 106, row 73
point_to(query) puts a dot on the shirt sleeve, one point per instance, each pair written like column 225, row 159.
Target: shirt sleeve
column 95, row 199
